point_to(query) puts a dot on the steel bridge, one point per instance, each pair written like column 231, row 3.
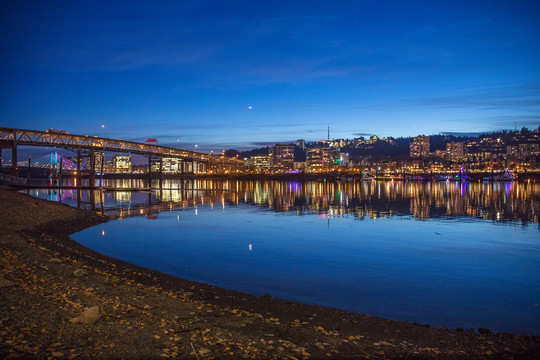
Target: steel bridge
column 88, row 146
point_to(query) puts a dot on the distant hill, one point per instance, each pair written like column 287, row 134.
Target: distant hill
column 395, row 148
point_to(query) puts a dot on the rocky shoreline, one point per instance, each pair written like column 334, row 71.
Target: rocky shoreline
column 59, row 299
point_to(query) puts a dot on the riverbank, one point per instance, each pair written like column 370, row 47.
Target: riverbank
column 41, row 180
column 48, row 280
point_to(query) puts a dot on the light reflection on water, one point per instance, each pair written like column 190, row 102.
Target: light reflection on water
column 473, row 259
column 499, row 201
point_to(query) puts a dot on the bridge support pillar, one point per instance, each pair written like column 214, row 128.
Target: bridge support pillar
column 156, row 160
column 92, row 199
column 60, row 168
column 78, row 177
column 101, row 172
column 28, row 170
column 160, row 172
column 14, row 158
column 182, row 172
column 149, row 173
column 92, row 166
column 189, row 166
column 201, row 167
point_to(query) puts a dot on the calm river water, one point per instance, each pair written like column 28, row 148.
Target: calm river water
column 443, row 253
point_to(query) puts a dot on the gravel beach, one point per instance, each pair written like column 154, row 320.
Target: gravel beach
column 59, row 299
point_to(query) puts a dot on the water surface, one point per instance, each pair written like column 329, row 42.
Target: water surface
column 447, row 254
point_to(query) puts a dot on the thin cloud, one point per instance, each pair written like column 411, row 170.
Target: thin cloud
column 522, row 96
column 521, row 119
column 462, row 134
column 261, row 143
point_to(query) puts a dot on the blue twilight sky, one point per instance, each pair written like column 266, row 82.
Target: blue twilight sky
column 187, row 72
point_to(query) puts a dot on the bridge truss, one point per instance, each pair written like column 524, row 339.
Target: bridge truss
column 87, row 146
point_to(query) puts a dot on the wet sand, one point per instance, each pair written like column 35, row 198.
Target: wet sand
column 47, row 280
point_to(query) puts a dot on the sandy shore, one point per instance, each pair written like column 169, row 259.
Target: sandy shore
column 48, row 280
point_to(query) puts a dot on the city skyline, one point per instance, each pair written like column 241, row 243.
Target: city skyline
column 242, row 75
column 521, row 145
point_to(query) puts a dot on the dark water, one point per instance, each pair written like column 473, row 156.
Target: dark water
column 448, row 254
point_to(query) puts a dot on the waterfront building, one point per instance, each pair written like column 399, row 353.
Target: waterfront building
column 122, row 163
column 344, row 159
column 282, row 157
column 87, row 161
column 315, row 159
column 171, row 165
column 109, row 166
column 99, row 161
column 155, row 166
column 332, row 157
column 259, row 164
column 455, row 151
column 420, row 147
column 321, row 158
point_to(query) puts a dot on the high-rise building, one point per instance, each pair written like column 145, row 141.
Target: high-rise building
column 98, row 160
column 282, row 157
column 322, row 158
column 455, row 151
column 300, row 143
column 315, row 158
column 122, row 163
column 419, row 147
column 344, row 159
column 332, row 157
